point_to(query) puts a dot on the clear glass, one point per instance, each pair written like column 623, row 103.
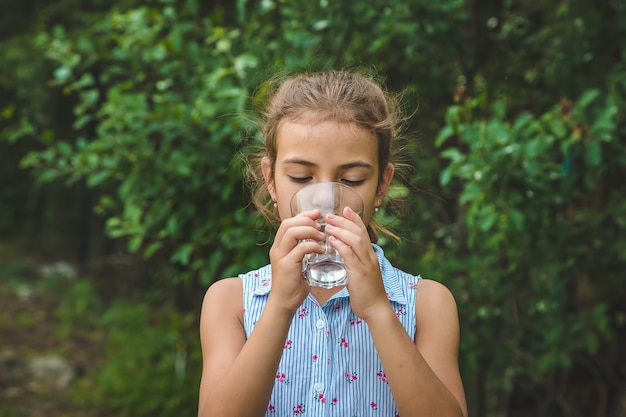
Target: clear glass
column 325, row 270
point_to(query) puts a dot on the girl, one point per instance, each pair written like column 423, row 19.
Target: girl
column 386, row 344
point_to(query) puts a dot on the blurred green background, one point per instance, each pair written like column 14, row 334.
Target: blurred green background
column 121, row 193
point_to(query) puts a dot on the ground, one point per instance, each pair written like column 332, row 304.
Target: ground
column 30, row 328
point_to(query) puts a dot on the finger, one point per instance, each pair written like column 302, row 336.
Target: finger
column 348, row 232
column 349, row 220
column 347, row 244
column 306, row 218
column 296, row 234
column 312, row 214
column 353, row 216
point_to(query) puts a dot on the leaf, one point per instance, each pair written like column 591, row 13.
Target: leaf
column 453, row 117
column 593, row 153
column 135, row 243
column 522, row 124
column 453, row 154
column 152, row 248
column 517, row 219
column 497, row 133
column 25, row 129
column 499, row 109
column 182, row 254
column 82, row 121
column 97, row 178
column 321, row 25
column 557, row 127
column 472, row 192
column 444, row 134
column 587, row 98
column 62, row 74
column 488, row 220
column 446, row 176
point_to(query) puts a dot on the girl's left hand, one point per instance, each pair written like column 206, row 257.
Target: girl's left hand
column 348, row 234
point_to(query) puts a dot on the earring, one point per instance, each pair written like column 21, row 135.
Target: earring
column 275, row 205
column 375, row 209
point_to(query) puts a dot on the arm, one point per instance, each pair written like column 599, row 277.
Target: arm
column 238, row 374
column 428, row 367
column 232, row 369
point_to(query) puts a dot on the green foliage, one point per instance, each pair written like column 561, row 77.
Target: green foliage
column 79, row 307
column 153, row 362
column 148, row 360
column 157, row 121
column 538, row 198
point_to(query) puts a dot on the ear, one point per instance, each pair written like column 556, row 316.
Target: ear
column 268, row 176
column 385, row 181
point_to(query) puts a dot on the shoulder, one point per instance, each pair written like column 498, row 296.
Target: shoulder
column 223, row 287
column 429, row 288
column 223, row 298
column 434, row 303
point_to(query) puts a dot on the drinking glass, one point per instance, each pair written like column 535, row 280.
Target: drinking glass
column 325, row 270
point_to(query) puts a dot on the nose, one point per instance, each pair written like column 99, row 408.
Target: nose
column 320, row 195
column 323, row 196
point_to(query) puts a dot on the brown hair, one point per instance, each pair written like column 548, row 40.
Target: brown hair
column 342, row 96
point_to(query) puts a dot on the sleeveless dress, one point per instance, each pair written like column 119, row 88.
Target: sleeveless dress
column 329, row 365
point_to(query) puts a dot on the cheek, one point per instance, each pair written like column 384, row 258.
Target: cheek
column 284, row 202
column 368, row 213
column 284, row 211
column 368, row 206
column 367, row 218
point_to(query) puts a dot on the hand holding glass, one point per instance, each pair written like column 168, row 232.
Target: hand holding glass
column 325, row 270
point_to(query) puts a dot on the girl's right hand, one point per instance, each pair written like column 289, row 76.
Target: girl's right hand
column 289, row 288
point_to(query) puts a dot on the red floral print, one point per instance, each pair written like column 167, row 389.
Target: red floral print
column 282, row 378
column 344, row 342
column 351, row 376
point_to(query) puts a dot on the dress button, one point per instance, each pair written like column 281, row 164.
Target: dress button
column 319, row 387
column 320, row 324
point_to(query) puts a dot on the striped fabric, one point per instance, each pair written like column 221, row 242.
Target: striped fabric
column 329, row 365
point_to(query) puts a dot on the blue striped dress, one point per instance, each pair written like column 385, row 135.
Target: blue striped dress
column 329, row 365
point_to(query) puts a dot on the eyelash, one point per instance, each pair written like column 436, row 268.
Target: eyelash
column 347, row 182
column 299, row 180
column 353, row 183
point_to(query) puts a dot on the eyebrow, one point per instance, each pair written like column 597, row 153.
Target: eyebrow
column 349, row 165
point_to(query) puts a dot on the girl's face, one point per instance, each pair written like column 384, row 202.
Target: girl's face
column 324, row 152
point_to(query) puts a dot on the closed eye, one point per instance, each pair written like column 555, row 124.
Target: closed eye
column 300, row 180
column 352, row 183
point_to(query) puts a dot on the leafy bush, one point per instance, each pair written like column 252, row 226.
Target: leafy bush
column 156, row 126
column 144, row 355
column 540, row 211
column 152, row 364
